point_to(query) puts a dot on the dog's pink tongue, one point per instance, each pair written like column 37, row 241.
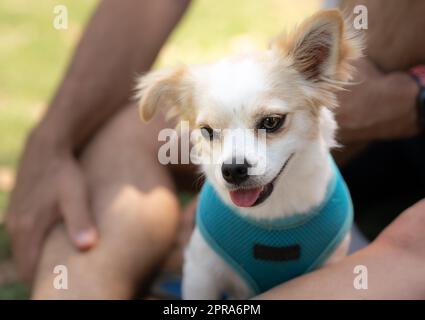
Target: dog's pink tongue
column 245, row 198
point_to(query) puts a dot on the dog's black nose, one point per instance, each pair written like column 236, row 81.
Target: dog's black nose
column 235, row 173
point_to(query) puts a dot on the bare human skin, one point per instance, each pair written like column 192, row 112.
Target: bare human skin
column 76, row 175
column 136, row 212
column 383, row 104
column 91, row 140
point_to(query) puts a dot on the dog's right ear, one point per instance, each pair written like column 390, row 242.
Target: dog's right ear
column 164, row 88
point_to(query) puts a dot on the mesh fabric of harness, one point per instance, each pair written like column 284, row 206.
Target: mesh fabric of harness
column 268, row 253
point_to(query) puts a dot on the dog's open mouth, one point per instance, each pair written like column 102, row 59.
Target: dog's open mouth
column 254, row 196
column 251, row 197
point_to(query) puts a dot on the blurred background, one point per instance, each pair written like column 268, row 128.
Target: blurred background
column 33, row 56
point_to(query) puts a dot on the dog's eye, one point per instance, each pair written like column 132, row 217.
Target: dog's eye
column 207, row 132
column 272, row 123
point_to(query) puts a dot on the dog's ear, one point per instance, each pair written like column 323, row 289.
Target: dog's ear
column 321, row 47
column 164, row 89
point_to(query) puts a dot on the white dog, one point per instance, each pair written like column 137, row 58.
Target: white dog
column 264, row 217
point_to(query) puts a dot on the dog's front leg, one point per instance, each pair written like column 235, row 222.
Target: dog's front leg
column 341, row 251
column 201, row 274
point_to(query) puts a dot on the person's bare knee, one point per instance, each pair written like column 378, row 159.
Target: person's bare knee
column 136, row 232
column 136, row 212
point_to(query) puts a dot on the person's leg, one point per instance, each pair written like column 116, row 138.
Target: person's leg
column 136, row 211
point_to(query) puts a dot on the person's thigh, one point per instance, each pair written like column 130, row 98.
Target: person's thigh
column 135, row 208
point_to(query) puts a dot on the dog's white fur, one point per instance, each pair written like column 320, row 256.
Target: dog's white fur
column 297, row 77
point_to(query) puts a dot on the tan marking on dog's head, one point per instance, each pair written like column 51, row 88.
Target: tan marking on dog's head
column 171, row 89
column 321, row 50
column 321, row 47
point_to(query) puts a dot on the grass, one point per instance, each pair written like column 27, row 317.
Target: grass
column 33, row 55
column 14, row 291
column 3, row 198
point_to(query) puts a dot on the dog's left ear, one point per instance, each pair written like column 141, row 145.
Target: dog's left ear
column 168, row 89
column 321, row 47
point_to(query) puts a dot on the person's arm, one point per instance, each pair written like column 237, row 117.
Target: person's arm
column 395, row 267
column 381, row 105
column 377, row 106
column 121, row 40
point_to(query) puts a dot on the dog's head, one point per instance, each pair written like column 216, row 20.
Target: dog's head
column 257, row 113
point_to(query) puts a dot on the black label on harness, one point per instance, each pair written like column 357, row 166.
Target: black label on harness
column 262, row 252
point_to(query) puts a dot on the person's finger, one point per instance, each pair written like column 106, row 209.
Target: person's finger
column 73, row 203
column 27, row 241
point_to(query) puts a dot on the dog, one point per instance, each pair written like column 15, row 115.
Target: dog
column 258, row 228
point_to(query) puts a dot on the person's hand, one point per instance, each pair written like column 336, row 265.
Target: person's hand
column 50, row 186
column 377, row 106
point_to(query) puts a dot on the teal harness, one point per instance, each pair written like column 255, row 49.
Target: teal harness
column 268, row 253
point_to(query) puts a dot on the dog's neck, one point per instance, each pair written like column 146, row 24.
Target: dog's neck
column 300, row 188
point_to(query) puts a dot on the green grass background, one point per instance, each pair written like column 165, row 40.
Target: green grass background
column 33, row 56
